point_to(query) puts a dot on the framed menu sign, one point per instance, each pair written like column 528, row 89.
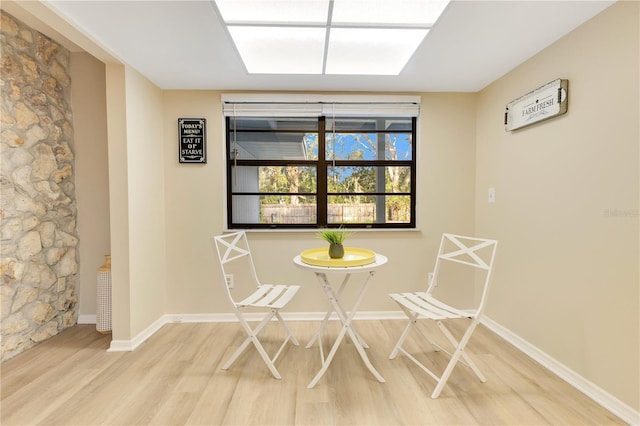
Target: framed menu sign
column 192, row 140
column 540, row 104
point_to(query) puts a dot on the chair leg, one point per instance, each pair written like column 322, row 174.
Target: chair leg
column 458, row 352
column 253, row 338
column 413, row 321
column 462, row 344
column 290, row 335
column 402, row 338
column 265, row 357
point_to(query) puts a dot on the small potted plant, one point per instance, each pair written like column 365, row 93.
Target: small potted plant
column 335, row 238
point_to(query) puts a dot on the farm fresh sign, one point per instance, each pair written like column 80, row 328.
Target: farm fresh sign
column 192, row 140
column 543, row 103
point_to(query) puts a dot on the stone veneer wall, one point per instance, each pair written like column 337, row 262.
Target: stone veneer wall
column 39, row 260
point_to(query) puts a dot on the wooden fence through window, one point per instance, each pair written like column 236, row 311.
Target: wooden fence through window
column 306, row 213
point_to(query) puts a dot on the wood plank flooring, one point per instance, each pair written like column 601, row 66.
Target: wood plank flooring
column 175, row 379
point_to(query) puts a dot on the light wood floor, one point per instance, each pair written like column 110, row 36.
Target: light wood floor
column 175, row 378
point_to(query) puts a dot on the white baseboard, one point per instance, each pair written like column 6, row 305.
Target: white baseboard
column 87, row 319
column 590, row 389
column 289, row 316
column 130, row 345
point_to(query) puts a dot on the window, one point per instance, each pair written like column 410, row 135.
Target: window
column 354, row 170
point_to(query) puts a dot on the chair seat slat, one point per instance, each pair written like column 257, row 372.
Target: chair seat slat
column 255, row 296
column 416, row 302
column 453, row 312
column 407, row 303
column 286, row 296
column 275, row 298
column 269, row 296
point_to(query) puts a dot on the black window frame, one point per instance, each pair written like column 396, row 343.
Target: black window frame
column 321, row 164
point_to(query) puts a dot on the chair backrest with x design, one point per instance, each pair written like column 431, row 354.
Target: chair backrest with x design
column 475, row 253
column 234, row 248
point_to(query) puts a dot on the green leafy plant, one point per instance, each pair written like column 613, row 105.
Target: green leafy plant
column 334, row 236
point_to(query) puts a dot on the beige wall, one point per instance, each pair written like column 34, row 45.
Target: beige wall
column 118, row 201
column 137, row 200
column 135, row 109
column 195, row 209
column 567, row 278
column 147, row 255
column 92, row 172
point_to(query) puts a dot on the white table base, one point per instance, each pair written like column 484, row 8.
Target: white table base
column 347, row 326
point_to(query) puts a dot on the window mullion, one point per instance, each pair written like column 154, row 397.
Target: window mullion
column 321, row 199
column 380, row 172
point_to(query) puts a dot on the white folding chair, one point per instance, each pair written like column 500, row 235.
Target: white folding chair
column 233, row 249
column 455, row 251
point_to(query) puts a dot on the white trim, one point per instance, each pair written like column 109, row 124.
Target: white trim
column 590, row 389
column 289, row 316
column 121, row 346
column 87, row 319
column 131, row 345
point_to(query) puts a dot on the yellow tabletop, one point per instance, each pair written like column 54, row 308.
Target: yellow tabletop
column 353, row 256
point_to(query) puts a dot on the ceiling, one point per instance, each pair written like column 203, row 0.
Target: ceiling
column 183, row 44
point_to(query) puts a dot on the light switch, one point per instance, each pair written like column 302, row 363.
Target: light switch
column 492, row 195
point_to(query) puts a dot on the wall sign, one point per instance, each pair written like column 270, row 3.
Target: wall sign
column 192, row 140
column 543, row 103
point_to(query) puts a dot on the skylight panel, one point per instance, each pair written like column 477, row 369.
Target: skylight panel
column 371, row 51
column 286, row 12
column 365, row 37
column 280, row 50
column 383, row 13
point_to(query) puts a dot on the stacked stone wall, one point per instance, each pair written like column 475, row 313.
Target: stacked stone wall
column 39, row 259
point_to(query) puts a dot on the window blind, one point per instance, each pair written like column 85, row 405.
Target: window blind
column 341, row 107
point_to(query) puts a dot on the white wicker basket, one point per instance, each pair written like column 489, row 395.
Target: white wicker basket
column 103, row 292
